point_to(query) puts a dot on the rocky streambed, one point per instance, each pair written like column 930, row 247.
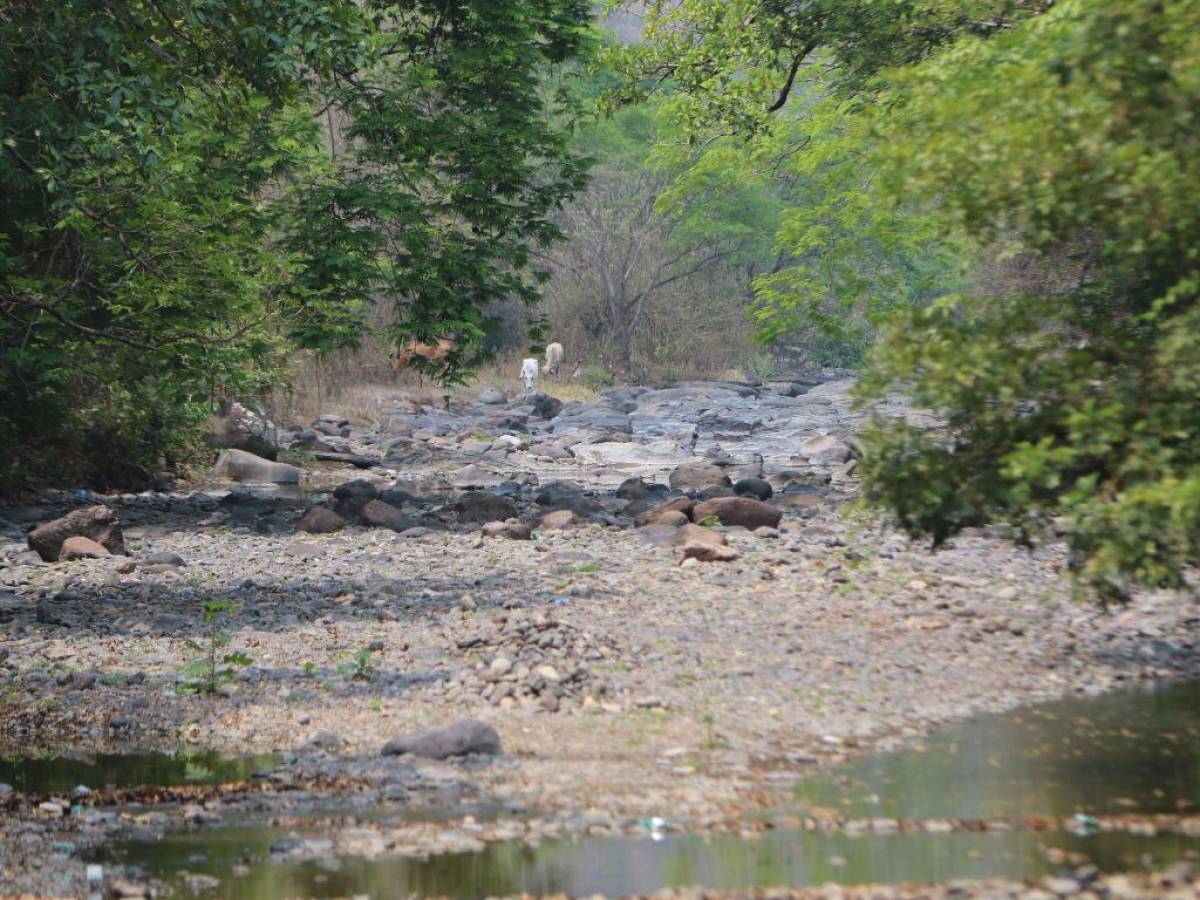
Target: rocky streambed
column 657, row 599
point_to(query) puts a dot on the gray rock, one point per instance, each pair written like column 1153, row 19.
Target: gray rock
column 757, row 488
column 633, row 489
column 546, row 407
column 165, row 558
column 478, row 507
column 238, row 465
column 492, row 396
column 462, row 738
column 352, row 496
column 98, row 523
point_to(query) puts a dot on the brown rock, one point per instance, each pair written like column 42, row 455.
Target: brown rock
column 688, row 534
column 824, row 449
column 99, row 523
column 377, row 514
column 743, row 511
column 79, row 547
column 706, row 552
column 653, row 516
column 672, row 517
column 512, row 529
column 320, row 520
column 560, row 518
column 798, row 501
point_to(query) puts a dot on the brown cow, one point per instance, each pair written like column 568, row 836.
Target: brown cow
column 433, row 352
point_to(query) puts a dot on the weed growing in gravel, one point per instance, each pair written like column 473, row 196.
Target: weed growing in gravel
column 309, row 669
column 361, row 667
column 710, row 730
column 213, row 668
column 710, row 521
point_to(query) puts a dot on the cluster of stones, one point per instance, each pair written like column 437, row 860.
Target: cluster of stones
column 532, row 659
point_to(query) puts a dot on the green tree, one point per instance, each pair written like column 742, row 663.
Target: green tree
column 191, row 187
column 1070, row 143
column 656, row 218
column 1055, row 144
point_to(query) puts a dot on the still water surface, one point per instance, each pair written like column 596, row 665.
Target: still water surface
column 1136, row 750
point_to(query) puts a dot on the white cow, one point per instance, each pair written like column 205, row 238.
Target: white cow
column 554, row 358
column 529, row 372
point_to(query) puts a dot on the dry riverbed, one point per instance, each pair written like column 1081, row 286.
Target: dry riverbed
column 624, row 685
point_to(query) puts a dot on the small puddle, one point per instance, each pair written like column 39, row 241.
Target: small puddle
column 1131, row 751
column 60, row 774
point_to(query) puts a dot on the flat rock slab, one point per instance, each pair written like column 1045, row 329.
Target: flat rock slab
column 238, row 465
column 460, row 739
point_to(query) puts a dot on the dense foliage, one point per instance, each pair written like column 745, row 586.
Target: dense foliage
column 190, row 187
column 662, row 249
column 1053, row 149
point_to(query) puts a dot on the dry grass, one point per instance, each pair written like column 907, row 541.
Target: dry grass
column 357, row 386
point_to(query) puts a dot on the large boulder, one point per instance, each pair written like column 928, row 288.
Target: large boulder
column 462, row 738
column 698, row 476
column 238, row 465
column 743, row 511
column 352, row 496
column 492, row 396
column 97, row 523
column 480, row 506
column 239, row 428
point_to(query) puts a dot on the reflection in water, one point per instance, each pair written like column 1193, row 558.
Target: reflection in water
column 1136, row 750
column 1131, row 751
column 262, row 490
column 621, row 866
column 58, row 774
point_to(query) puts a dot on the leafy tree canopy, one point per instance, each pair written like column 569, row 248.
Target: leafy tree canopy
column 1053, row 149
column 189, row 187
